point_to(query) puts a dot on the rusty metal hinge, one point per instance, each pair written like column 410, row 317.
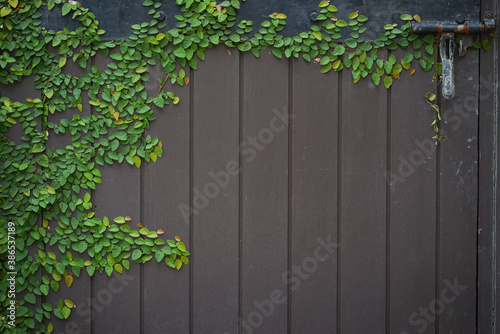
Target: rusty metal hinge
column 448, row 30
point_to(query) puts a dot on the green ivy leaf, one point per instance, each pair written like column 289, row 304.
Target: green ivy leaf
column 351, row 43
column 180, row 52
column 339, row 50
column 388, row 67
column 170, row 262
column 362, row 18
column 486, row 45
column 66, row 9
column 277, row 53
column 318, row 35
column 181, row 246
column 48, row 92
column 37, row 148
column 54, row 285
column 65, row 312
column 136, row 254
column 30, row 298
column 159, row 256
column 341, row 23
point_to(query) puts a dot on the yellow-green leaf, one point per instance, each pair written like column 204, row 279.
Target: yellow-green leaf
column 68, row 279
column 5, row 11
column 336, row 64
column 332, row 9
column 62, row 62
column 48, row 92
column 324, row 3
column 387, row 82
column 353, row 15
column 178, row 263
column 13, row 3
column 317, row 35
column 79, row 107
column 11, row 120
column 153, row 156
column 69, row 303
column 50, row 328
column 137, row 161
column 159, row 37
column 118, row 268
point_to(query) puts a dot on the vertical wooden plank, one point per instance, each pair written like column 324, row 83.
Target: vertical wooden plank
column 264, row 155
column 458, row 182
column 363, row 207
column 488, row 109
column 314, row 199
column 215, row 193
column 80, row 291
column 496, row 193
column 116, row 300
column 165, row 187
column 412, row 183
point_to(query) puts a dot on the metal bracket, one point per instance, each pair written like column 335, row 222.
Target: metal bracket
column 448, row 30
column 464, row 43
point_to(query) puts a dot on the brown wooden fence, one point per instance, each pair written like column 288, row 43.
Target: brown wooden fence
column 310, row 205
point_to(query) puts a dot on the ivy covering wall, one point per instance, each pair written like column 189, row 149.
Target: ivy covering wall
column 45, row 195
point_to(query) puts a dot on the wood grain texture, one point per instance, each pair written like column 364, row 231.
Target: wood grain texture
column 412, row 199
column 314, row 149
column 458, row 195
column 215, row 194
column 363, row 160
column 488, row 182
column 265, row 193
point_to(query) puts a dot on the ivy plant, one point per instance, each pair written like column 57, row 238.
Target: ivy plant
column 47, row 221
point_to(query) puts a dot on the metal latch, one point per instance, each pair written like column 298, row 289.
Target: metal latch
column 448, row 29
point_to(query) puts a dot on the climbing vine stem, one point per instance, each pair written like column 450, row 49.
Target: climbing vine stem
column 45, row 194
